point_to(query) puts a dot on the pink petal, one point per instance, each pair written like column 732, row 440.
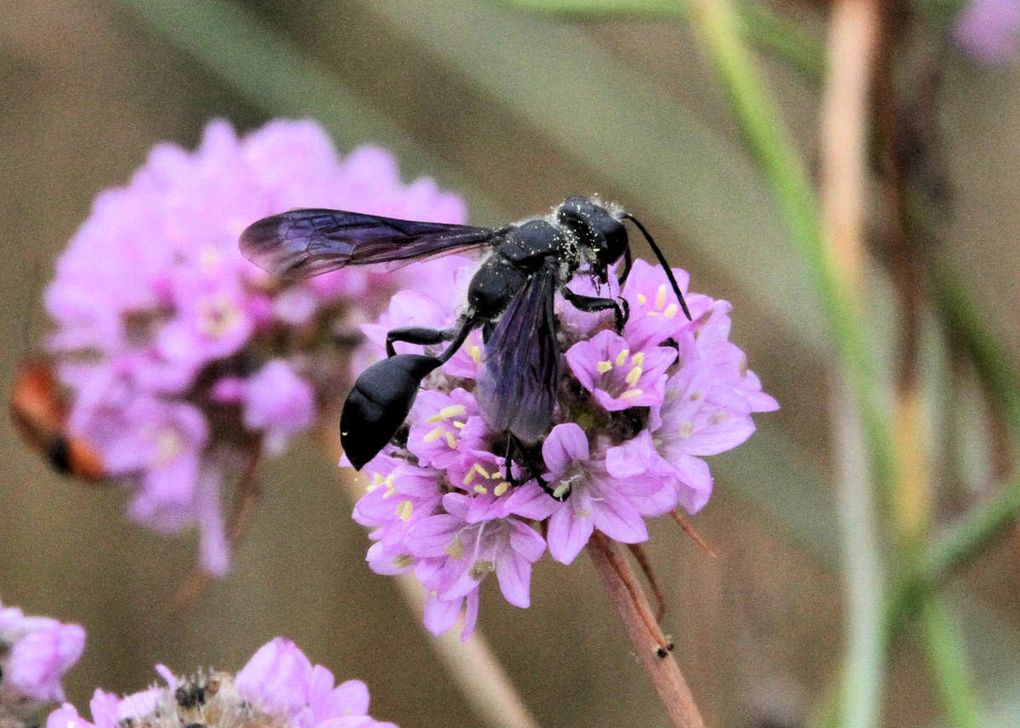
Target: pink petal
column 568, row 534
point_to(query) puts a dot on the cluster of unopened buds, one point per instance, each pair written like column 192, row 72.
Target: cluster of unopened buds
column 637, row 411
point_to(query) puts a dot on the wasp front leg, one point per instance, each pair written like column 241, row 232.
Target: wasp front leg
column 594, row 304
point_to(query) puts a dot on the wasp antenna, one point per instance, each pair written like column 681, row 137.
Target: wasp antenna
column 662, row 262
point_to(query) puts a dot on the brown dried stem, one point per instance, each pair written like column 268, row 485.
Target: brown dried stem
column 653, row 648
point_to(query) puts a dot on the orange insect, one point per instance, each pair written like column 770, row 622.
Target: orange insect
column 41, row 418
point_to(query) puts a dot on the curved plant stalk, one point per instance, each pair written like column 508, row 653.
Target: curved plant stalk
column 471, row 664
column 653, row 648
column 948, row 664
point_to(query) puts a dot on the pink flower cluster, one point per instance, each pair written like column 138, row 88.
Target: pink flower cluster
column 35, row 652
column 989, row 30
column 278, row 687
column 638, row 412
column 181, row 358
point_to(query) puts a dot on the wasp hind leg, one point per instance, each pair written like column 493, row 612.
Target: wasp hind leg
column 456, row 335
column 594, row 304
column 531, row 465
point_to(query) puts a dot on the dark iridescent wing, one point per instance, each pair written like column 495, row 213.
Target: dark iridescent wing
column 304, row 243
column 517, row 391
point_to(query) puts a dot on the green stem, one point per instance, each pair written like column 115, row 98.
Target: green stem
column 783, row 167
column 864, row 657
column 784, row 170
column 969, row 536
column 947, row 662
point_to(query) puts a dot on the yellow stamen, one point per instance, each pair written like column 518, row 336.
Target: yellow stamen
column 480, row 489
column 209, row 259
column 603, row 366
column 377, row 480
column 660, row 297
column 217, row 315
column 475, row 352
column 453, row 410
column 459, row 425
column 501, row 488
column 434, row 434
column 480, row 568
column 670, row 311
column 562, row 489
column 404, row 510
column 455, row 549
column 633, row 376
column 642, row 299
column 631, row 394
column 622, row 357
column 638, row 359
column 451, row 441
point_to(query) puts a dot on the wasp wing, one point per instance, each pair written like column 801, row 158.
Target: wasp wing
column 517, row 391
column 305, row 243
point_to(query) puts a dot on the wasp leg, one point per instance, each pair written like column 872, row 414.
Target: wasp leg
column 456, row 335
column 628, row 263
column 532, row 465
column 416, row 335
column 621, row 309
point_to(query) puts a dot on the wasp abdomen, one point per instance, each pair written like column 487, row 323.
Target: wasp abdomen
column 379, row 403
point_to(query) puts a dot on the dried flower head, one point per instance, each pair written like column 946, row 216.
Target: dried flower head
column 182, row 360
column 278, row 688
column 638, row 411
column 35, row 652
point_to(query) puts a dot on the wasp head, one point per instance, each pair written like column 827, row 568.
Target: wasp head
column 597, row 229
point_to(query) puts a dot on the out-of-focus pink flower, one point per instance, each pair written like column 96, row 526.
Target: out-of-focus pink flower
column 989, row 30
column 278, row 402
column 638, row 411
column 180, row 357
column 279, row 686
column 35, row 652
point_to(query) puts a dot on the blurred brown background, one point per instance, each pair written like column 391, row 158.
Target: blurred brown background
column 89, row 85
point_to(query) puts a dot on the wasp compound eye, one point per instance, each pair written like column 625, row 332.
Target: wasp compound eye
column 379, row 402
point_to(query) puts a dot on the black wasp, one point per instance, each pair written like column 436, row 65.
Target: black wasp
column 511, row 297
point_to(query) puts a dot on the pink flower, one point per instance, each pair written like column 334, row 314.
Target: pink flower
column 636, row 415
column 36, row 653
column 594, row 497
column 989, row 30
column 462, row 554
column 277, row 402
column 278, row 686
column 181, row 357
column 618, row 376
